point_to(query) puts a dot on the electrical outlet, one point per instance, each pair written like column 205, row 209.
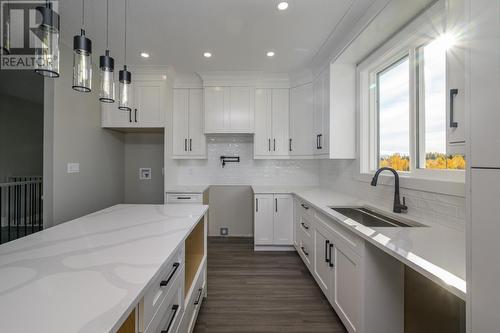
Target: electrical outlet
column 224, row 231
column 73, row 168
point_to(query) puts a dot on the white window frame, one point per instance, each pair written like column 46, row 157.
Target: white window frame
column 419, row 32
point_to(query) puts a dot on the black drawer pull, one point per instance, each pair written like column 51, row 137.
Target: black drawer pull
column 175, row 308
column 135, row 115
column 330, row 253
column 200, row 291
column 304, row 226
column 304, row 206
column 183, row 198
column 304, row 250
column 164, row 283
column 326, row 251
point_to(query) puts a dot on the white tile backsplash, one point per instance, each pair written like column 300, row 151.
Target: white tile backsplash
column 427, row 207
column 248, row 170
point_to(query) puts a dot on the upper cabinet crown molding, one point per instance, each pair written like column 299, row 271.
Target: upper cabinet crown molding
column 245, row 79
column 187, row 81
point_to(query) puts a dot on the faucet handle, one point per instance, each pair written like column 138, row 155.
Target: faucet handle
column 403, row 206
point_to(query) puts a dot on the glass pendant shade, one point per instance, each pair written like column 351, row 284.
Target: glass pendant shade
column 125, row 78
column 82, row 63
column 47, row 43
column 107, row 78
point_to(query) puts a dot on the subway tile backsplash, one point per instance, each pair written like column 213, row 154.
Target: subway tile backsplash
column 248, row 170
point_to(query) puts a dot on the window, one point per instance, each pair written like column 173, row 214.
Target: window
column 403, row 109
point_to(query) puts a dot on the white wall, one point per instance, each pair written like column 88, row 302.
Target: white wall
column 427, row 207
column 248, row 171
column 143, row 150
column 74, row 134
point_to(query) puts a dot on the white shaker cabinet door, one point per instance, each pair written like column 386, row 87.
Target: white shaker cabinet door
column 197, row 139
column 112, row 117
column 283, row 219
column 241, row 113
column 263, row 225
column 280, row 122
column 216, row 105
column 150, row 103
column 263, row 122
column 323, row 264
column 301, row 121
column 180, row 122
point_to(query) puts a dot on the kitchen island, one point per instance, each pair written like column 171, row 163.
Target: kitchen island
column 127, row 268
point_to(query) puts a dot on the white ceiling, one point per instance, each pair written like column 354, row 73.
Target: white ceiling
column 237, row 32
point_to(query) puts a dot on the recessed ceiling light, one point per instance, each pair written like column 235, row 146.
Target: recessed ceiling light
column 282, row 5
column 144, row 55
column 207, row 54
column 270, row 54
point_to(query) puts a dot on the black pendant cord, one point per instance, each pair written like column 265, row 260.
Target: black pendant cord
column 83, row 14
column 125, row 44
column 107, row 24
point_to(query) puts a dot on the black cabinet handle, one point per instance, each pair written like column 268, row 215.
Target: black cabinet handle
column 185, row 144
column 175, row 308
column 330, row 254
column 304, row 206
column 276, row 204
column 183, row 198
column 256, row 204
column 274, row 144
column 304, row 226
column 453, row 93
column 135, row 115
column 164, row 283
column 317, row 141
column 269, row 144
column 200, row 291
column 304, row 251
column 320, row 146
column 326, row 251
column 190, row 144
column 290, row 144
column 130, row 116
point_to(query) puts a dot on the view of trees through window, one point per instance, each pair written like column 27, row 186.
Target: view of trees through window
column 394, row 92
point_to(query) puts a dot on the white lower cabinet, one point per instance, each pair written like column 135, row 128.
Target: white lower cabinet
column 364, row 285
column 273, row 219
column 193, row 302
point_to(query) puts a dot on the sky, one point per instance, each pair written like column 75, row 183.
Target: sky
column 394, row 101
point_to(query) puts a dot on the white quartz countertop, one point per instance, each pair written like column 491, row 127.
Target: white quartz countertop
column 265, row 189
column 186, row 188
column 87, row 274
column 435, row 251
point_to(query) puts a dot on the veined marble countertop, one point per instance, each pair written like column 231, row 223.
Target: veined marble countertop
column 87, row 274
column 434, row 251
column 186, row 188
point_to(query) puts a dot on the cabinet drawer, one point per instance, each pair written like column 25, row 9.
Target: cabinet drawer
column 305, row 249
column 162, row 285
column 342, row 234
column 184, row 198
column 306, row 226
column 169, row 313
column 193, row 302
column 305, row 209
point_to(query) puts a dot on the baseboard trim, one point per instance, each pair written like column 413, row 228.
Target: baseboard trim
column 274, row 248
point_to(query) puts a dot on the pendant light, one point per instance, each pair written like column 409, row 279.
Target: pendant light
column 82, row 59
column 47, row 43
column 124, row 76
column 107, row 65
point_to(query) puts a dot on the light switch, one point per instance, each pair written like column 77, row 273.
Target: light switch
column 144, row 173
column 73, row 168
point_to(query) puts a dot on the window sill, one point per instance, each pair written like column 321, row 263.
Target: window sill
column 455, row 188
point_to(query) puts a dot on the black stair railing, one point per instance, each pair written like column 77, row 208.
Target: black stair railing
column 21, row 207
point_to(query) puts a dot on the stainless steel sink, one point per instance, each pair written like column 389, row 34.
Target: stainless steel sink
column 371, row 218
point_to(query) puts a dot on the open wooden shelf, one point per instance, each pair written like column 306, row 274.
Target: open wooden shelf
column 195, row 251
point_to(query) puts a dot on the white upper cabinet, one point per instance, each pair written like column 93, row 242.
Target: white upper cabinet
column 321, row 115
column 455, row 77
column 302, row 139
column 229, row 109
column 188, row 137
column 484, row 73
column 271, row 138
column 148, row 105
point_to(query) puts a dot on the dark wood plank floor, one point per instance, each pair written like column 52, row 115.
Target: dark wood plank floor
column 261, row 292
